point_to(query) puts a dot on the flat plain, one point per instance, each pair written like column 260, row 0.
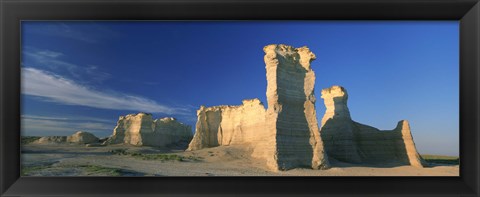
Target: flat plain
column 125, row 160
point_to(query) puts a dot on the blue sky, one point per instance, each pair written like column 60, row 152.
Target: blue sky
column 83, row 75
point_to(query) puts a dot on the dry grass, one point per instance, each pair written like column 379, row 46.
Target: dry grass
column 160, row 157
column 441, row 159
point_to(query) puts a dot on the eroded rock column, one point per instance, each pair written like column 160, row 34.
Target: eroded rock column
column 337, row 129
column 291, row 116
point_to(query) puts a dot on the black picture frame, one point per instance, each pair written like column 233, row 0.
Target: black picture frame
column 13, row 11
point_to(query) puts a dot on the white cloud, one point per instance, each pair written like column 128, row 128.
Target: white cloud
column 49, row 53
column 52, row 60
column 43, row 117
column 55, row 88
column 48, row 58
column 76, row 118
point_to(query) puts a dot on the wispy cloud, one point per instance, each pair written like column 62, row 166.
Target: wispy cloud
column 47, row 58
column 77, row 118
column 44, row 126
column 42, row 117
column 59, row 89
column 48, row 53
column 52, row 60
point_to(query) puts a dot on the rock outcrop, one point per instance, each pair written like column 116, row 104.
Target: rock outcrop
column 348, row 141
column 141, row 130
column 80, row 137
column 291, row 116
column 286, row 134
column 225, row 125
column 336, row 122
column 51, row 140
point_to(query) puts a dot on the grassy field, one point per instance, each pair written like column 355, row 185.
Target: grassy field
column 161, row 157
column 440, row 159
column 28, row 139
column 86, row 169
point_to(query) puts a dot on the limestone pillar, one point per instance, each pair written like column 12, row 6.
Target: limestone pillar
column 337, row 129
column 291, row 115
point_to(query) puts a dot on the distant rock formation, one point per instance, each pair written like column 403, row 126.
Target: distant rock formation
column 286, row 134
column 51, row 140
column 80, row 137
column 348, row 141
column 141, row 130
column 225, row 125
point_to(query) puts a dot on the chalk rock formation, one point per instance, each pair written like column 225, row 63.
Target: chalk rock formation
column 348, row 141
column 225, row 125
column 286, row 135
column 51, row 140
column 291, row 116
column 141, row 130
column 80, row 137
column 336, row 122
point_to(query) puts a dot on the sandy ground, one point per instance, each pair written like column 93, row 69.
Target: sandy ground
column 76, row 160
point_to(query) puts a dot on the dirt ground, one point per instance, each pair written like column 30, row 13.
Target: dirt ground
column 122, row 160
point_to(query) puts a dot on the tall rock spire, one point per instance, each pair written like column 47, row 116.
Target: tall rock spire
column 291, row 115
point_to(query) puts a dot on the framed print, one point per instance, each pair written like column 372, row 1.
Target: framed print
column 257, row 98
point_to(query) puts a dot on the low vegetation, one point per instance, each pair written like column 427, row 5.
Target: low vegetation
column 84, row 169
column 100, row 170
column 28, row 139
column 160, row 157
column 440, row 159
column 27, row 170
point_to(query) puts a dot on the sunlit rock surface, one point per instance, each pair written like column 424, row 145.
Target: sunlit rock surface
column 291, row 116
column 80, row 137
column 286, row 134
column 225, row 125
column 142, row 130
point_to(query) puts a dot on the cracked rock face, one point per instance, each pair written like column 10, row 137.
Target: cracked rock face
column 337, row 128
column 348, row 141
column 291, row 115
column 141, row 130
column 286, row 134
column 225, row 125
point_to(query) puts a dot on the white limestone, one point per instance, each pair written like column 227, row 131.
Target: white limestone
column 225, row 125
column 286, row 134
column 141, row 130
column 349, row 141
